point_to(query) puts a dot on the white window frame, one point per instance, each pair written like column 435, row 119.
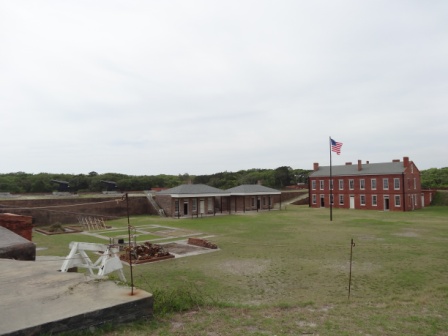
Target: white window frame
column 397, row 200
column 362, row 200
column 330, row 184
column 362, row 184
column 313, row 184
column 313, row 197
column 415, row 183
column 341, row 184
column 385, row 184
column 321, row 184
column 396, row 183
column 341, row 199
column 194, row 205
column 351, row 184
column 331, row 199
column 374, row 200
column 373, row 184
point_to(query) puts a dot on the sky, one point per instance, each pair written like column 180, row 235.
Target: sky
column 200, row 87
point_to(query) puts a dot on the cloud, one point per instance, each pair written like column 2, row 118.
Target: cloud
column 153, row 87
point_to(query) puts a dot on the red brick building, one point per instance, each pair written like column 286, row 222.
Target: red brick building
column 393, row 186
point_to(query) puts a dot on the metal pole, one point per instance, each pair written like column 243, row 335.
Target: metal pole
column 129, row 243
column 352, row 244
column 329, row 185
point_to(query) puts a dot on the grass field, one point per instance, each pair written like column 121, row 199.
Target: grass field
column 287, row 273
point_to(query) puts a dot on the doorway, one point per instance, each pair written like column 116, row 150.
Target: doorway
column 352, row 202
column 386, row 203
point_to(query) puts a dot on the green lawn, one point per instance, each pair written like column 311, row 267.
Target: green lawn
column 287, row 273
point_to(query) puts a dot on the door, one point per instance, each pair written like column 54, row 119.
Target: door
column 352, row 202
column 386, row 203
column 186, row 208
column 322, row 201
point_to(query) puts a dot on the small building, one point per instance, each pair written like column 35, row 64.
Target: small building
column 385, row 186
column 191, row 200
column 195, row 200
column 250, row 197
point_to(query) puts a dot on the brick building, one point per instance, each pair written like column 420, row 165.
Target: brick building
column 194, row 200
column 393, row 186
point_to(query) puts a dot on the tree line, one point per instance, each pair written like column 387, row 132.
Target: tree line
column 21, row 182
column 279, row 178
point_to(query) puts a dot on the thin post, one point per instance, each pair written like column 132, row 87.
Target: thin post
column 129, row 244
column 329, row 185
column 352, row 244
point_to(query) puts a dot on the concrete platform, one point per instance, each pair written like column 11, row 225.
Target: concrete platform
column 13, row 246
column 37, row 299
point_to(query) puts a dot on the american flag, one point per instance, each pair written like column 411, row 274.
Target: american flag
column 336, row 146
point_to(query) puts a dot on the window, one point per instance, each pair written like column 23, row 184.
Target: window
column 385, row 183
column 253, row 201
column 362, row 199
column 396, row 183
column 397, row 200
column 314, row 198
column 351, row 184
column 373, row 183
column 330, row 184
column 415, row 183
column 362, row 184
column 264, row 201
column 194, row 205
column 332, row 199
column 341, row 184
column 313, row 184
column 210, row 204
column 321, row 184
column 374, row 200
column 341, row 199
column 176, row 205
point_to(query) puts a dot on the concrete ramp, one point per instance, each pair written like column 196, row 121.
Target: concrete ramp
column 37, row 299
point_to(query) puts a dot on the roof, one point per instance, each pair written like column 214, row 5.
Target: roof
column 193, row 190
column 252, row 189
column 386, row 168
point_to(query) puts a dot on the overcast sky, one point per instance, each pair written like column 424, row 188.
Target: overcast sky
column 200, row 87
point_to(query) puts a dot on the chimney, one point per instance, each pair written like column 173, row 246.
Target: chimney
column 367, row 162
column 316, row 166
column 405, row 161
column 359, row 165
column 396, row 160
column 348, row 163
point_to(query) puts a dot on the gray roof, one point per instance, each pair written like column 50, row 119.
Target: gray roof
column 193, row 190
column 252, row 189
column 367, row 169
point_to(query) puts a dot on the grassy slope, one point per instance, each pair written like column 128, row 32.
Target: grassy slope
column 286, row 273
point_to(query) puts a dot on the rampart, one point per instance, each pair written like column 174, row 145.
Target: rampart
column 47, row 210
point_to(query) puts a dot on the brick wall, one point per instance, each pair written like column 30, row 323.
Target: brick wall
column 21, row 225
column 67, row 210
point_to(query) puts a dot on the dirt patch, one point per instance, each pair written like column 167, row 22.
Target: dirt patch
column 411, row 234
column 183, row 249
column 244, row 266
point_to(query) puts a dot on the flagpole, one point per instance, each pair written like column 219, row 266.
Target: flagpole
column 329, row 185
